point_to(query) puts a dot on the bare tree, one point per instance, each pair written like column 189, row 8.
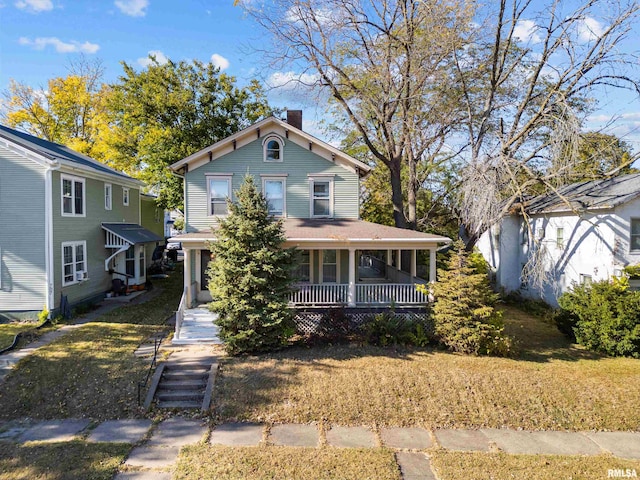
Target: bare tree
column 385, row 64
column 527, row 80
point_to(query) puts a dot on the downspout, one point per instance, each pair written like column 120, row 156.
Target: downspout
column 48, row 235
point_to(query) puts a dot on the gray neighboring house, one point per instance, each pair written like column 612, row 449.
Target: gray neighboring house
column 69, row 226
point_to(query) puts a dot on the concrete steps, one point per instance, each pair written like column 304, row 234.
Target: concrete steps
column 183, row 385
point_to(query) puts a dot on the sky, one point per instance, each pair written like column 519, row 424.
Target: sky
column 39, row 38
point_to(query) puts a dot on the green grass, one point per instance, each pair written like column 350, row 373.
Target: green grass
column 553, row 385
column 89, row 372
column 9, row 330
column 500, row 466
column 291, row 463
column 61, row 461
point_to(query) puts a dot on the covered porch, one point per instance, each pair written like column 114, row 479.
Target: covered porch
column 342, row 262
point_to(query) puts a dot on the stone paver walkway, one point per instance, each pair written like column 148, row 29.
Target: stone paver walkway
column 154, row 458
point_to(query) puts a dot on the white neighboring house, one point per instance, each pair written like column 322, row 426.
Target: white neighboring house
column 593, row 245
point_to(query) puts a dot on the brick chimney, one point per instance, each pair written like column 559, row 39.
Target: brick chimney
column 294, row 118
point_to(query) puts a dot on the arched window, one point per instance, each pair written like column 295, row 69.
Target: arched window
column 273, row 149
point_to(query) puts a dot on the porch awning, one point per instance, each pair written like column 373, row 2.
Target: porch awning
column 338, row 233
column 128, row 233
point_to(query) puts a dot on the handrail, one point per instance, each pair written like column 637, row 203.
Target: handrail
column 156, row 346
column 180, row 313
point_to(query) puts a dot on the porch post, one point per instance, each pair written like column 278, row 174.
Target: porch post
column 187, row 275
column 389, row 258
column 352, row 277
column 413, row 264
column 399, row 259
column 432, row 264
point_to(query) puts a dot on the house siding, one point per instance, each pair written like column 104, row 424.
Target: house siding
column 152, row 221
column 88, row 228
column 621, row 228
column 298, row 164
column 22, row 236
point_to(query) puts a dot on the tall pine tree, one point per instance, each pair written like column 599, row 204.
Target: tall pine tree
column 251, row 275
column 464, row 317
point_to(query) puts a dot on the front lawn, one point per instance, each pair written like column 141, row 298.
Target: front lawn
column 553, row 385
column 501, row 466
column 258, row 463
column 61, row 461
column 9, row 330
column 89, row 372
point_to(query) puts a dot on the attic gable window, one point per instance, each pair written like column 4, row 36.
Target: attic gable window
column 273, row 147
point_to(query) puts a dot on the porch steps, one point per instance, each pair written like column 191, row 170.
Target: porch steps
column 198, row 328
column 186, row 385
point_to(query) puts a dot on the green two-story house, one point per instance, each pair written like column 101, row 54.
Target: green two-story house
column 315, row 189
column 69, row 226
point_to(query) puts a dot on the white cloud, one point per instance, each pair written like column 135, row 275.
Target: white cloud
column 40, row 43
column 323, row 16
column 133, row 8
column 527, row 31
column 589, row 29
column 160, row 57
column 219, row 61
column 34, row 6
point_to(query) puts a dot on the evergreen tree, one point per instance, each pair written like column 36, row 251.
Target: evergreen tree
column 251, row 275
column 464, row 316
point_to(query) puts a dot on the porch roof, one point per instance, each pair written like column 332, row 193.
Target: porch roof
column 132, row 233
column 339, row 232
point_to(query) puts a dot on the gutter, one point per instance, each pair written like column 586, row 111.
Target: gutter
column 48, row 235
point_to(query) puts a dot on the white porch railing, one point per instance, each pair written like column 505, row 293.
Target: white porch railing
column 388, row 293
column 180, row 313
column 322, row 294
column 366, row 294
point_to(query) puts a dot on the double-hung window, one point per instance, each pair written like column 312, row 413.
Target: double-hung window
column 74, row 262
column 274, row 190
column 329, row 266
column 218, row 189
column 634, row 238
column 125, row 197
column 73, row 196
column 273, row 149
column 108, row 196
column 560, row 238
column 321, row 193
column 130, row 261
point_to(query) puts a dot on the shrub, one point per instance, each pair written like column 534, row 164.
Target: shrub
column 464, row 315
column 388, row 328
column 334, row 327
column 604, row 317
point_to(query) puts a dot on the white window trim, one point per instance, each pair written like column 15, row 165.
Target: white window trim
column 320, row 178
column 73, row 246
column 229, row 178
column 321, row 269
column 560, row 242
column 631, row 220
column 108, row 187
column 125, row 196
column 277, row 178
column 73, row 180
column 266, row 141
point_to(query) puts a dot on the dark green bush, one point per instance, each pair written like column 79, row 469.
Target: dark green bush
column 334, row 327
column 389, row 328
column 606, row 317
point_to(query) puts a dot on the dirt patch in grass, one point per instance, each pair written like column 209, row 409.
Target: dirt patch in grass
column 260, row 463
column 554, row 385
column 89, row 372
column 500, row 466
column 61, row 461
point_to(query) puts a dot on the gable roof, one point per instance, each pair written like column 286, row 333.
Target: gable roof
column 259, row 130
column 590, row 195
column 54, row 152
